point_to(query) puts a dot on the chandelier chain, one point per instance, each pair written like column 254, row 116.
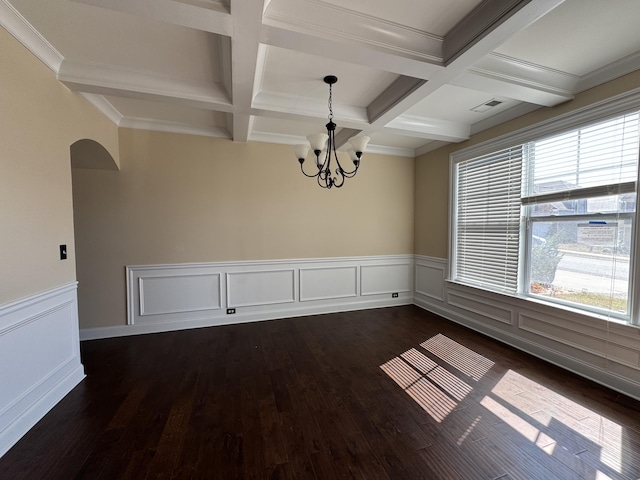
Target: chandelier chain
column 330, row 103
column 324, row 149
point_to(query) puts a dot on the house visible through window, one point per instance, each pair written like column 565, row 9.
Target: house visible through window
column 552, row 218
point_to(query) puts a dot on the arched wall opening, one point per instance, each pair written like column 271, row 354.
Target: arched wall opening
column 88, row 157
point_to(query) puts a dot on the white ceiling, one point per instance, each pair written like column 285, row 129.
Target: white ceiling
column 409, row 72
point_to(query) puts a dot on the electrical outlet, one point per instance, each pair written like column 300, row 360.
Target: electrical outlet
column 394, row 295
column 231, row 311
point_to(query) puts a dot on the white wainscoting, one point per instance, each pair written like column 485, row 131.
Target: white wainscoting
column 39, row 359
column 604, row 351
column 261, row 288
column 172, row 297
column 327, row 283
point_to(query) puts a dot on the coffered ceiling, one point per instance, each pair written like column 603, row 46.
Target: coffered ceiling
column 413, row 75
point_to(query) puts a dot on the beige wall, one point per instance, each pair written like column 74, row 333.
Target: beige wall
column 182, row 198
column 432, row 169
column 39, row 120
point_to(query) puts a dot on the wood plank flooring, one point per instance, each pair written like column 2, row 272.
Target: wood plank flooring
column 394, row 393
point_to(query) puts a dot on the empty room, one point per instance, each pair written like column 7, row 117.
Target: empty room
column 317, row 239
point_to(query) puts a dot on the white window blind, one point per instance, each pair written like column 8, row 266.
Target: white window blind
column 488, row 220
column 596, row 160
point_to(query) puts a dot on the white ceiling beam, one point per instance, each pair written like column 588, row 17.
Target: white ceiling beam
column 324, row 20
column 461, row 58
column 432, row 128
column 245, row 42
column 104, row 106
column 516, row 89
column 172, row 127
column 311, row 109
column 212, row 19
column 343, row 136
column 351, row 52
column 108, row 80
column 394, row 94
column 477, row 24
column 519, row 80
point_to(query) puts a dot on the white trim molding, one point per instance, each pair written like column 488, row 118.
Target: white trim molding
column 604, row 351
column 25, row 33
column 181, row 296
column 39, row 359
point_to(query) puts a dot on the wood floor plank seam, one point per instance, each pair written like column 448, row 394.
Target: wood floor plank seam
column 393, row 393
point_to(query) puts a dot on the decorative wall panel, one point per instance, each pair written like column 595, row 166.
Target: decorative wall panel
column 39, row 348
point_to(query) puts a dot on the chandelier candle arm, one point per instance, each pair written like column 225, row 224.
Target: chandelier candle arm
column 323, row 146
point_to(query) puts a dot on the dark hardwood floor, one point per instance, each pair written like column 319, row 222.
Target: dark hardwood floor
column 393, row 393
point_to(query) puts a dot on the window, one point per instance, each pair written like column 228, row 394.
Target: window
column 552, row 217
column 488, row 220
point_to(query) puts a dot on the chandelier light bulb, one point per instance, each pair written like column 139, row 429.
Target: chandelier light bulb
column 359, row 143
column 324, row 149
column 317, row 140
column 301, row 151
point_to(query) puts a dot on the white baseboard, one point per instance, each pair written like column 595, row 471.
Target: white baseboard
column 174, row 297
column 162, row 298
column 567, row 362
column 48, row 368
column 126, row 330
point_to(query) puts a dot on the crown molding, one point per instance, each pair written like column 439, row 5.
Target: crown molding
column 283, row 139
column 429, row 128
column 613, row 70
column 104, row 106
column 333, row 22
column 212, row 17
column 172, row 127
column 519, row 80
column 279, row 138
column 504, row 116
column 395, row 151
column 351, row 52
column 27, row 35
column 289, row 106
column 511, row 67
column 429, row 147
column 519, row 89
column 107, row 79
column 616, row 105
column 216, row 5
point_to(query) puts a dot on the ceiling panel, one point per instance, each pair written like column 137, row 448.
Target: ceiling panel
column 167, row 112
column 436, row 17
column 300, row 75
column 253, row 69
column 293, row 128
column 93, row 35
column 579, row 36
column 455, row 104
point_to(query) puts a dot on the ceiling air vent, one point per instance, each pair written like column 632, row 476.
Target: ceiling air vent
column 483, row 107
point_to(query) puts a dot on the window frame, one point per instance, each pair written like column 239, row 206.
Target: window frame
column 526, row 263
column 622, row 104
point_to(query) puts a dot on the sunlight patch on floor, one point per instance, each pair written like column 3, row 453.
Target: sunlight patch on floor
column 534, row 411
column 435, row 402
column 467, row 361
column 432, row 386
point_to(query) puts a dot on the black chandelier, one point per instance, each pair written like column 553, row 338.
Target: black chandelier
column 318, row 142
